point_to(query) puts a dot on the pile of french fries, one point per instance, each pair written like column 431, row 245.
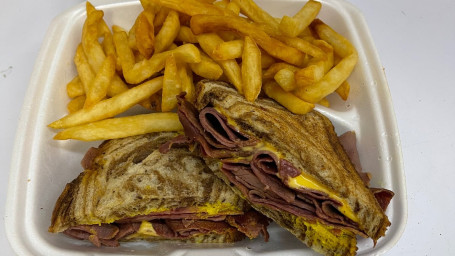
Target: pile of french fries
column 296, row 61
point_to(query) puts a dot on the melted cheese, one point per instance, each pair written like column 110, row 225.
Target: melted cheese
column 305, row 182
column 146, row 229
column 219, row 208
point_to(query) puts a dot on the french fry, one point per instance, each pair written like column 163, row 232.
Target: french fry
column 122, row 127
column 296, row 60
column 251, row 70
column 343, row 90
column 76, row 104
column 301, row 20
column 228, row 50
column 185, row 35
column 186, row 78
column 250, row 9
column 172, row 85
column 110, row 107
column 155, row 101
column 341, row 46
column 302, row 45
column 109, row 49
column 317, row 67
column 117, row 86
column 94, row 52
column 307, row 34
column 233, row 7
column 102, row 27
column 221, row 4
column 228, row 35
column 99, row 86
column 338, row 74
column 135, row 73
column 330, row 82
column 168, row 32
column 83, row 68
column 145, row 34
column 275, row 67
column 266, row 60
column 287, row 99
column 160, row 17
column 285, row 78
column 207, row 68
column 92, row 48
column 324, row 102
column 206, row 23
column 75, row 88
column 231, row 69
column 193, row 7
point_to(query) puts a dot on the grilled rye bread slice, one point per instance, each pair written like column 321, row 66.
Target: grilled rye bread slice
column 236, row 135
column 129, row 186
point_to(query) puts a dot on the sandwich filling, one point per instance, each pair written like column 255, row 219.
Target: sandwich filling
column 180, row 224
column 261, row 173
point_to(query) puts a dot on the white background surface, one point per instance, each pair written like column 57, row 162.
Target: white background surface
column 416, row 43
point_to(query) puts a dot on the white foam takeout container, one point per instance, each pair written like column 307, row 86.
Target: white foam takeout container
column 41, row 166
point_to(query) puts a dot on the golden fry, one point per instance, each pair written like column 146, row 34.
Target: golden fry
column 110, row 107
column 324, row 102
column 117, row 86
column 317, row 67
column 145, row 34
column 92, row 48
column 185, row 35
column 76, row 104
column 287, row 99
column 98, row 88
column 251, row 70
column 233, row 7
column 122, row 127
column 75, row 88
column 266, row 60
column 168, row 32
column 297, row 24
column 207, row 68
column 231, row 69
column 250, row 9
column 109, row 49
column 186, row 78
column 83, row 68
column 206, row 23
column 338, row 74
column 135, row 73
column 193, row 7
column 343, row 90
column 341, row 46
column 302, row 45
column 275, row 67
column 172, row 86
column 285, row 78
column 330, row 82
column 228, row 50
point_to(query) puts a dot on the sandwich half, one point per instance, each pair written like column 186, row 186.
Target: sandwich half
column 129, row 190
column 292, row 168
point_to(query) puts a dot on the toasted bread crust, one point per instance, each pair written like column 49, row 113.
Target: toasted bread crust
column 131, row 177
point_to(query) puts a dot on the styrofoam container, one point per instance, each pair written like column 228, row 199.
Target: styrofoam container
column 42, row 166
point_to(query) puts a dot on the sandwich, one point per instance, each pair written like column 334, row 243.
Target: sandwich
column 130, row 191
column 291, row 168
